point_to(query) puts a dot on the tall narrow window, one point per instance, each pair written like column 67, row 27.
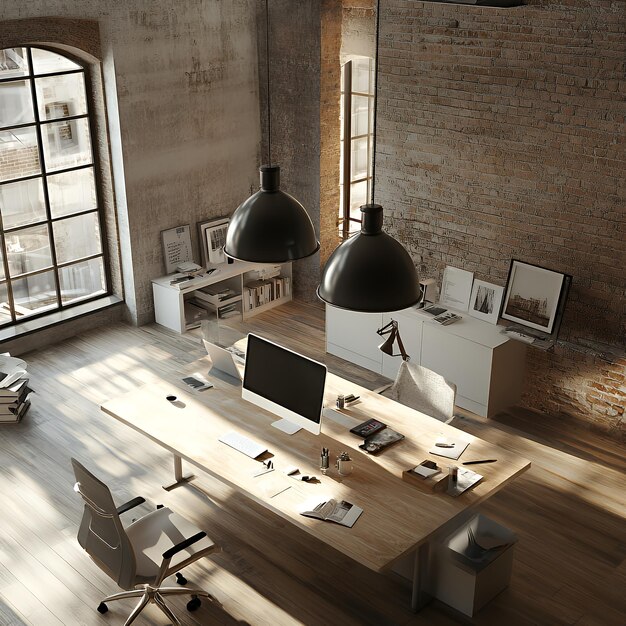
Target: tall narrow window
column 51, row 239
column 357, row 122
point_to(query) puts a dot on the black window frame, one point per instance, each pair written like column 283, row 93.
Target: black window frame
column 346, row 183
column 43, row 174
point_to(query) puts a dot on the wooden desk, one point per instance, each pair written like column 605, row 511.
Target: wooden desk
column 398, row 519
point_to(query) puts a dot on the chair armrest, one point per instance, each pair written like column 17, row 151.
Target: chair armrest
column 168, row 554
column 131, row 504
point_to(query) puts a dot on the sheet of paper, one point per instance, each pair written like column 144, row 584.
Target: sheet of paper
column 449, row 448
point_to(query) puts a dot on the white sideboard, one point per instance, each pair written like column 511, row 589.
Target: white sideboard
column 173, row 302
column 486, row 366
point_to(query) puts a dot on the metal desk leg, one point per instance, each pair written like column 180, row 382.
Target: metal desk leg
column 178, row 475
column 419, row 597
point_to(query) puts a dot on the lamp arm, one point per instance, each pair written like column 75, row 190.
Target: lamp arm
column 403, row 354
column 387, row 328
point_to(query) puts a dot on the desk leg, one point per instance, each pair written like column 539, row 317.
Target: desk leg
column 178, row 475
column 419, row 597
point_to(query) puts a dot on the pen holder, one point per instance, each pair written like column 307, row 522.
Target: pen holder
column 344, row 464
column 324, row 463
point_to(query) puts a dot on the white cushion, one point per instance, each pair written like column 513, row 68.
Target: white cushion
column 424, row 390
column 159, row 531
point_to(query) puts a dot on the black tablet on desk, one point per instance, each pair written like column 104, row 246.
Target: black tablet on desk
column 367, row 428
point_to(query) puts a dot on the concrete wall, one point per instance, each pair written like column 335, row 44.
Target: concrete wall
column 295, row 107
column 185, row 145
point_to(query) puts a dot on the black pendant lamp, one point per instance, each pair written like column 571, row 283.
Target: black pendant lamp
column 271, row 226
column 371, row 271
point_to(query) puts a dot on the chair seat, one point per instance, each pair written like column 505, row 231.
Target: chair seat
column 153, row 534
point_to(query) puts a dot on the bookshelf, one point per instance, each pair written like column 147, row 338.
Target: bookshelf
column 233, row 290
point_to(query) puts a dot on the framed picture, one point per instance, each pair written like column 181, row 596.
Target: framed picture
column 456, row 288
column 212, row 238
column 485, row 301
column 176, row 247
column 532, row 296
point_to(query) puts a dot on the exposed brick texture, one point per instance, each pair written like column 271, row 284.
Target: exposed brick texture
column 330, row 87
column 501, row 135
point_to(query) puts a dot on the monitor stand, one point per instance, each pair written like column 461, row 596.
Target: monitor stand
column 286, row 427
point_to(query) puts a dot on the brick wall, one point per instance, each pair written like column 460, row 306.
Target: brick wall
column 501, row 135
column 330, row 88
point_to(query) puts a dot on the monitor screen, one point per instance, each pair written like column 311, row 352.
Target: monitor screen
column 287, row 383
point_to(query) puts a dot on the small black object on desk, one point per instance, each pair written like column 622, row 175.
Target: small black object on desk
column 477, row 462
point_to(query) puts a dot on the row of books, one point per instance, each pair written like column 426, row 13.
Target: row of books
column 260, row 292
column 14, row 389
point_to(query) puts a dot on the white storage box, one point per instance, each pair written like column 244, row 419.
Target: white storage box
column 467, row 578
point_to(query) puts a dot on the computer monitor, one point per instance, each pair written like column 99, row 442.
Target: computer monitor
column 285, row 383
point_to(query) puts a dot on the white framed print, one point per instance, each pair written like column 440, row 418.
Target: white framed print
column 456, row 288
column 176, row 247
column 485, row 301
column 212, row 238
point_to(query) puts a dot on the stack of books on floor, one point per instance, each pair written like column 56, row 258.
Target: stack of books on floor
column 14, row 389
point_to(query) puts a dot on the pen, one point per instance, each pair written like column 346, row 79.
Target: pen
column 476, row 462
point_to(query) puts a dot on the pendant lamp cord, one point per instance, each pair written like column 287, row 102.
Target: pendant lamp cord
column 267, row 61
column 375, row 99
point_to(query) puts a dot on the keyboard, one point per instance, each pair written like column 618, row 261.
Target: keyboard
column 243, row 444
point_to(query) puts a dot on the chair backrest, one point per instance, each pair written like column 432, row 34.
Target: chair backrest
column 424, row 390
column 101, row 533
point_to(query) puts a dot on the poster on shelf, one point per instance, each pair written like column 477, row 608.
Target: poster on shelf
column 456, row 288
column 176, row 247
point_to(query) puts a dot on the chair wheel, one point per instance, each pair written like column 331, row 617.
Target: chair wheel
column 194, row 603
column 102, row 608
column 180, row 579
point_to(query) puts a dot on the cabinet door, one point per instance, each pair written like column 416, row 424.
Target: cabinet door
column 465, row 363
column 352, row 336
column 410, row 328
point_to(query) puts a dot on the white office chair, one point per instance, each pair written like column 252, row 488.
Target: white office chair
column 141, row 556
column 423, row 390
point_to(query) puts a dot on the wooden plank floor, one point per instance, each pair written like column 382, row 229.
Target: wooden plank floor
column 569, row 510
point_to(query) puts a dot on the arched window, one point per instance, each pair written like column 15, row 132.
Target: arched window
column 357, row 121
column 51, row 235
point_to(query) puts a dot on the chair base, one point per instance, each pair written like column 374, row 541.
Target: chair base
column 148, row 594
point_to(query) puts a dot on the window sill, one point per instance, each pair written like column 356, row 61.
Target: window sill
column 58, row 317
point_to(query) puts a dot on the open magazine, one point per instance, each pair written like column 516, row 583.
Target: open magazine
column 331, row 510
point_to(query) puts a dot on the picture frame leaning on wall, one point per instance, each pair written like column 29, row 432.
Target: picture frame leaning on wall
column 533, row 295
column 485, row 301
column 211, row 239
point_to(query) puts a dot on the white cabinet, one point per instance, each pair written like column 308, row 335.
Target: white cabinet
column 352, row 336
column 239, row 288
column 486, row 366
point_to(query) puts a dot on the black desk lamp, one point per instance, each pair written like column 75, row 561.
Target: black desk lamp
column 392, row 330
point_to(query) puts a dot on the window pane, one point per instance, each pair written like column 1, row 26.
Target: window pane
column 77, row 237
column 19, row 154
column 16, row 103
column 358, row 197
column 34, row 294
column 22, row 203
column 13, row 62
column 61, row 96
column 66, row 144
column 82, row 280
column 361, row 76
column 360, row 114
column 5, row 309
column 72, row 192
column 359, row 158
column 46, row 62
column 28, row 250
